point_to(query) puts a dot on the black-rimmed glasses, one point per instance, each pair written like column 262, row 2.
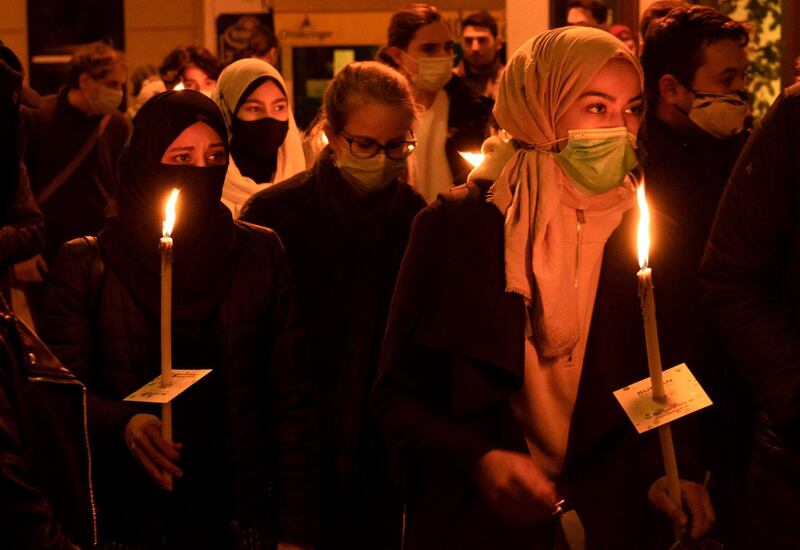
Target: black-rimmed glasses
column 366, row 148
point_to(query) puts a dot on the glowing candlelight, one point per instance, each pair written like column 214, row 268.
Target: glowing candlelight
column 475, row 159
column 643, row 233
column 648, row 304
column 645, row 276
column 179, row 87
column 165, row 247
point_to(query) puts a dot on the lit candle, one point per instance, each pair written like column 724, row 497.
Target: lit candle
column 648, row 304
column 165, row 246
column 475, row 159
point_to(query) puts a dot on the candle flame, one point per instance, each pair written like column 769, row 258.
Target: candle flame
column 179, row 87
column 644, row 227
column 169, row 213
column 475, row 159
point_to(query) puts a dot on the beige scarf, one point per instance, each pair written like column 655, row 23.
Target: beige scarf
column 232, row 83
column 542, row 79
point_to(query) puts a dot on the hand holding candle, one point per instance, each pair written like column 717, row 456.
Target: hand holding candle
column 648, row 304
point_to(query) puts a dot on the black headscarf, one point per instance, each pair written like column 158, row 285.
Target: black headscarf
column 206, row 254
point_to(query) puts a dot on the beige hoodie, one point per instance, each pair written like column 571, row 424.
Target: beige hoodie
column 547, row 399
column 553, row 236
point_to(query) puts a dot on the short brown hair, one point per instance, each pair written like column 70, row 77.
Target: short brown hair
column 482, row 19
column 176, row 62
column 97, row 60
column 675, row 44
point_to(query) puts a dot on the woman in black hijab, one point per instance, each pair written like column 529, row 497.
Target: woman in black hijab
column 244, row 474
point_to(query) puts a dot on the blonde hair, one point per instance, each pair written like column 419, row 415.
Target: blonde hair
column 362, row 83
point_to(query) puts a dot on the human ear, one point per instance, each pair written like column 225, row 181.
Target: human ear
column 330, row 135
column 272, row 56
column 671, row 90
column 396, row 54
column 85, row 82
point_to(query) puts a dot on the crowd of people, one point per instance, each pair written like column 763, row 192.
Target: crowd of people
column 405, row 351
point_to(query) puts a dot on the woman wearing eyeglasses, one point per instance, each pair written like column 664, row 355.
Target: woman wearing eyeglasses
column 345, row 225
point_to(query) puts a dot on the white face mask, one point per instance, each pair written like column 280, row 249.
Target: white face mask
column 721, row 115
column 372, row 174
column 107, row 100
column 432, row 72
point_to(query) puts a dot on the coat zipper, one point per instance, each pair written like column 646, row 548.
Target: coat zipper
column 89, row 464
column 84, row 407
column 581, row 221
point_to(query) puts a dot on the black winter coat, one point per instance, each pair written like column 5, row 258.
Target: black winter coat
column 752, row 264
column 263, row 425
column 685, row 177
column 46, row 499
column 750, row 271
column 345, row 252
column 452, row 357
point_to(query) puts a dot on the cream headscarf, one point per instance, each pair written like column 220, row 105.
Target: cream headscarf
column 231, row 84
column 541, row 81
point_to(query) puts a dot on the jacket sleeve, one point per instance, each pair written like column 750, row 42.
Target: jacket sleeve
column 22, row 236
column 293, row 416
column 67, row 329
column 26, row 518
column 411, row 397
column 748, row 264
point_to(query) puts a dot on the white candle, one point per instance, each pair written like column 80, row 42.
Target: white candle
column 165, row 247
column 648, row 303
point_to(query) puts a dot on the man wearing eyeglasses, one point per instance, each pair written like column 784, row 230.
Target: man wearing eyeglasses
column 695, row 62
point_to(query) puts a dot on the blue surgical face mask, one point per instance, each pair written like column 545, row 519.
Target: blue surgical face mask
column 598, row 159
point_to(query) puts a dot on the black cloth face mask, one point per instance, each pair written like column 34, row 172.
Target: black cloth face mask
column 255, row 144
column 205, row 246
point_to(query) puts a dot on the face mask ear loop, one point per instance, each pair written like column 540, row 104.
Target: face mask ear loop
column 546, row 147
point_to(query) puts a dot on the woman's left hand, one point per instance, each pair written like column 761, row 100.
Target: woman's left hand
column 693, row 495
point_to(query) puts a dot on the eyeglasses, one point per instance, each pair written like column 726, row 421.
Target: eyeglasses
column 366, row 148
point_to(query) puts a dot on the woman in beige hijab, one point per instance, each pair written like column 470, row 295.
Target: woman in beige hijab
column 493, row 392
column 265, row 143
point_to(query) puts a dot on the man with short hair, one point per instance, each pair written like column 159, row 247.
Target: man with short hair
column 694, row 63
column 584, row 13
column 480, row 68
column 73, row 142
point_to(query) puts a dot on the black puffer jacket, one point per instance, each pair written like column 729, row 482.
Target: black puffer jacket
column 261, row 380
